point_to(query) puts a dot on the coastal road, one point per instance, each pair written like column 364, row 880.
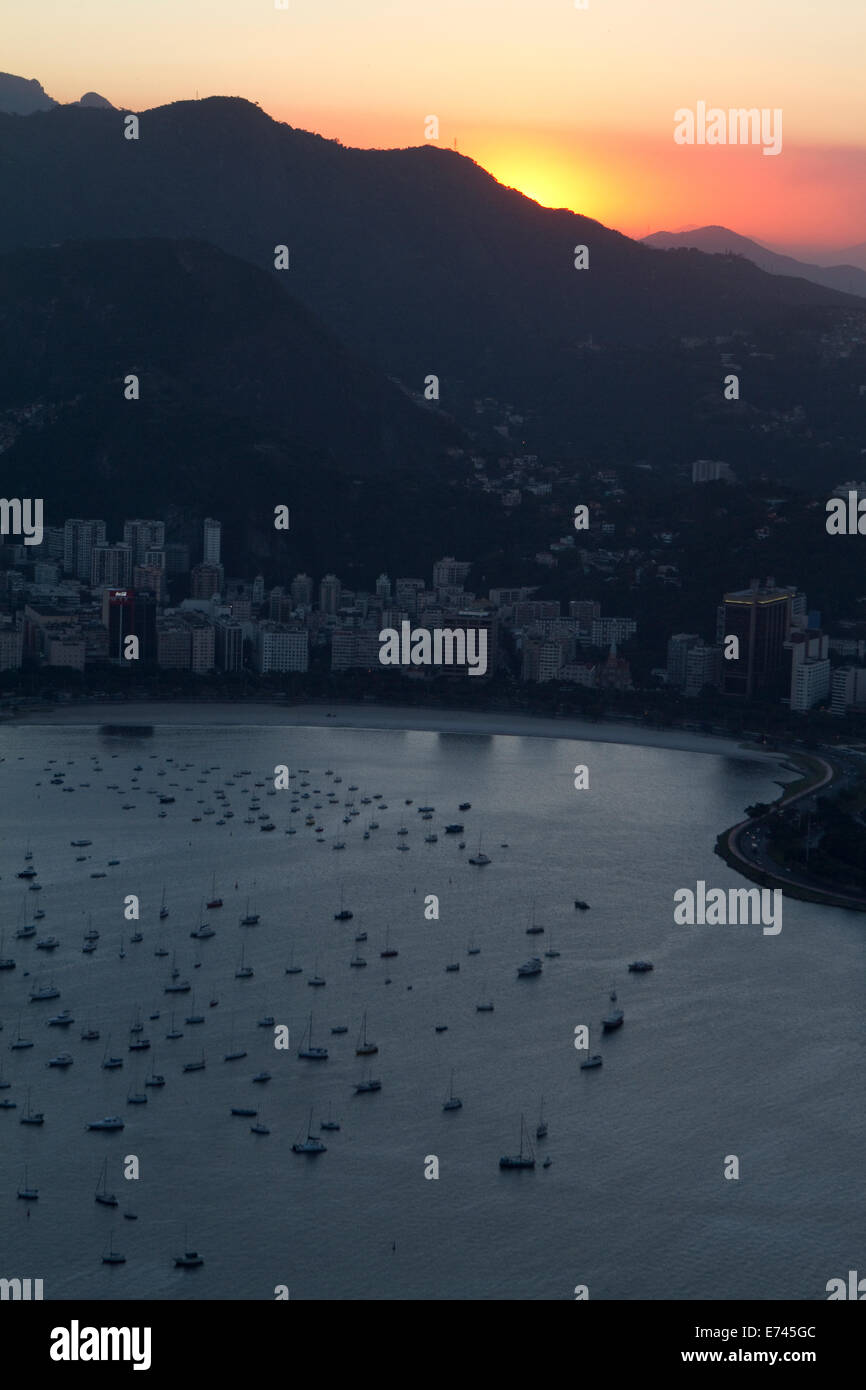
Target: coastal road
column 747, row 840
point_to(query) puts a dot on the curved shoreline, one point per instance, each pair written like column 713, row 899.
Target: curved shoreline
column 385, row 719
column 728, row 846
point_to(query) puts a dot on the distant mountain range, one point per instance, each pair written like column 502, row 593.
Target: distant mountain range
column 850, row 279
column 21, row 96
column 417, row 258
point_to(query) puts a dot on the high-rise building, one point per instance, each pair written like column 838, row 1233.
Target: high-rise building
column 703, row 667
column 330, row 590
column 212, row 541
column 585, row 610
column 406, row 593
column 228, row 645
column 281, row 648
column 128, row 612
column 118, row 615
column 760, row 618
column 150, row 577
column 302, row 591
column 607, row 630
column 848, row 687
column 448, row 572
column 383, row 588
column 201, row 643
column 207, row 580
column 679, row 647
column 712, row 471
column 143, row 535
column 173, row 644
column 176, row 558
column 79, row 538
column 111, row 565
column 11, row 648
column 810, row 669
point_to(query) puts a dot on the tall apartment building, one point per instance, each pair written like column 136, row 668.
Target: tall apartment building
column 228, row 645
column 330, row 590
column 760, row 617
column 848, row 688
column 207, row 580
column 679, row 647
column 281, row 648
column 450, row 573
column 111, row 565
column 212, row 541
column 302, row 591
column 607, row 630
column 810, row 670
column 143, row 534
column 703, row 667
column 79, row 538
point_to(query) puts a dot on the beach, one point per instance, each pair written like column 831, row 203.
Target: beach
column 387, row 718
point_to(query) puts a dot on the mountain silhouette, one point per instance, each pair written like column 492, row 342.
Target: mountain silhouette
column 418, row 259
column 20, row 96
column 722, row 241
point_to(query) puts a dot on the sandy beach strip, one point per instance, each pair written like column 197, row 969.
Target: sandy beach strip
column 385, row 719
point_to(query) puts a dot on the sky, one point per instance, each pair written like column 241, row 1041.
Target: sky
column 575, row 107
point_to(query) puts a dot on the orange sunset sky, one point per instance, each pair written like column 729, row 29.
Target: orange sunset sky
column 574, row 107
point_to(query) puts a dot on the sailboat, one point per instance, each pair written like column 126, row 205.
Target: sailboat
column 311, row 1053
column 533, row 929
column 31, row 1117
column 190, row 1259
column 163, row 910
column 204, row 930
column 452, row 1102
column 214, row 900
column 102, row 1195
column 249, row 919
column 20, row 1043
column 112, row 1256
column 520, row 1160
column 6, row 962
column 479, row 858
column 344, row 915
column 156, row 1078
column 541, row 1127
column 329, row 1124
column 363, row 1088
column 195, row 1066
column 551, row 953
column 312, row 1144
column 27, row 1193
column 316, row 980
column 291, row 968
column 234, row 1054
column 243, row 972
column 592, row 1059
column 365, row 1048
column 389, row 950
column 614, row 1018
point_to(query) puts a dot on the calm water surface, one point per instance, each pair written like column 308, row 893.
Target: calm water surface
column 736, row 1044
